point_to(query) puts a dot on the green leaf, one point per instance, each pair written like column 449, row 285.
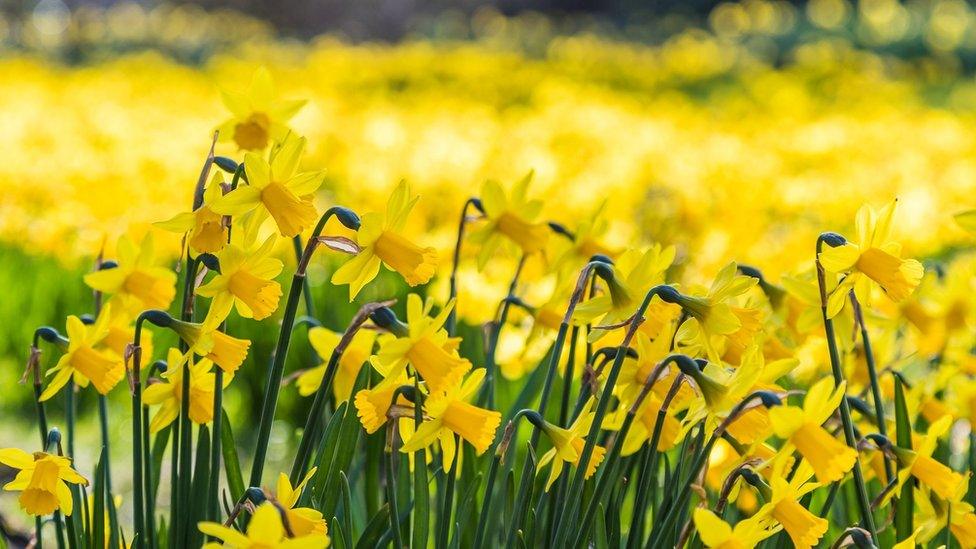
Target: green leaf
column 98, row 513
column 326, row 454
column 232, row 466
column 199, row 504
column 345, row 449
column 338, row 536
column 347, row 510
column 600, row 540
column 905, row 504
column 375, row 529
column 421, row 499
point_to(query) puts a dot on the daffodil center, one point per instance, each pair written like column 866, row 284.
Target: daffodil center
column 290, row 212
column 252, row 134
column 416, row 264
column 530, row 237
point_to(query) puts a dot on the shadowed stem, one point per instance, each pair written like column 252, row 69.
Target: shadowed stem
column 487, row 397
column 451, row 324
column 879, row 411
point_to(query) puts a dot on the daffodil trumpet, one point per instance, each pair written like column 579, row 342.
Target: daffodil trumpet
column 667, row 294
column 270, row 402
column 834, row 240
column 451, row 324
column 310, row 432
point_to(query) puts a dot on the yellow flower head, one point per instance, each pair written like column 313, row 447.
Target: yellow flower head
column 373, row 404
column 246, row 280
column 121, row 330
column 568, row 445
column 136, row 281
column 324, row 341
column 85, row 360
column 830, row 458
column 873, row 257
column 274, row 187
column 257, row 117
column 511, row 218
column 714, row 318
column 42, row 481
column 803, row 527
column 717, row 534
column 634, row 274
column 169, row 392
column 264, row 531
column 942, row 480
column 303, row 521
column 449, row 413
column 586, row 243
column 425, row 346
column 205, row 229
column 381, row 241
column 206, row 340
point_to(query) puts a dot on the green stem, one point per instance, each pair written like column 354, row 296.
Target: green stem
column 451, row 324
column 213, row 491
column 273, row 384
column 138, row 506
column 487, row 396
column 864, row 502
column 879, row 410
column 447, row 505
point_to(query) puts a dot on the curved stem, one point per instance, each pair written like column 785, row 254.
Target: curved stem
column 451, row 324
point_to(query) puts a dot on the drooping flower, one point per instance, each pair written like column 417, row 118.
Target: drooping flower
column 373, row 404
column 568, row 445
column 136, row 281
column 206, row 340
column 873, row 257
column 84, row 360
column 425, row 345
column 303, row 521
column 169, row 392
column 714, row 316
column 511, row 218
column 205, row 229
column 276, row 188
column 258, row 118
column 919, row 463
column 324, row 342
column 447, row 413
column 830, row 458
column 264, row 531
column 635, row 273
column 803, row 527
column 42, row 481
column 715, row 533
column 246, row 281
column 381, row 242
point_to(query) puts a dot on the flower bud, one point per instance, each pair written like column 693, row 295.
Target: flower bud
column 347, row 217
column 833, row 239
column 226, row 164
column 385, row 318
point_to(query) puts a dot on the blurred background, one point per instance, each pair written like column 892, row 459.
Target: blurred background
column 734, row 130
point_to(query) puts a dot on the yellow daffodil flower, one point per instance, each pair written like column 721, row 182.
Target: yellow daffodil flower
column 257, row 117
column 635, row 273
column 932, row 513
column 137, row 281
column 830, row 458
column 715, row 533
column 264, row 531
column 568, row 446
column 121, row 330
column 447, row 413
column 714, row 318
column 84, row 361
column 803, row 527
column 206, row 340
column 373, row 404
column 276, row 187
column 873, row 257
column 381, row 242
column 169, row 392
column 919, row 463
column 246, row 281
column 324, row 341
column 205, row 229
column 425, row 346
column 511, row 218
column 42, row 480
column 642, row 429
column 587, row 242
column 303, row 521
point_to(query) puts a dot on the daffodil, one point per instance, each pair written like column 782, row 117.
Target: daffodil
column 932, row 513
column 447, row 413
column 803, row 527
column 137, row 280
column 424, row 345
column 42, row 480
column 830, row 458
column 715, row 533
column 258, row 118
column 381, row 242
column 919, row 463
column 275, row 187
column 714, row 318
column 372, row 405
column 85, row 361
column 168, row 392
column 635, row 371
column 324, row 342
column 587, row 241
column 511, row 218
column 206, row 340
column 265, row 531
column 121, row 330
column 642, row 429
column 303, row 521
column 205, row 230
column 568, row 445
column 873, row 257
column 634, row 274
column 246, row 281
